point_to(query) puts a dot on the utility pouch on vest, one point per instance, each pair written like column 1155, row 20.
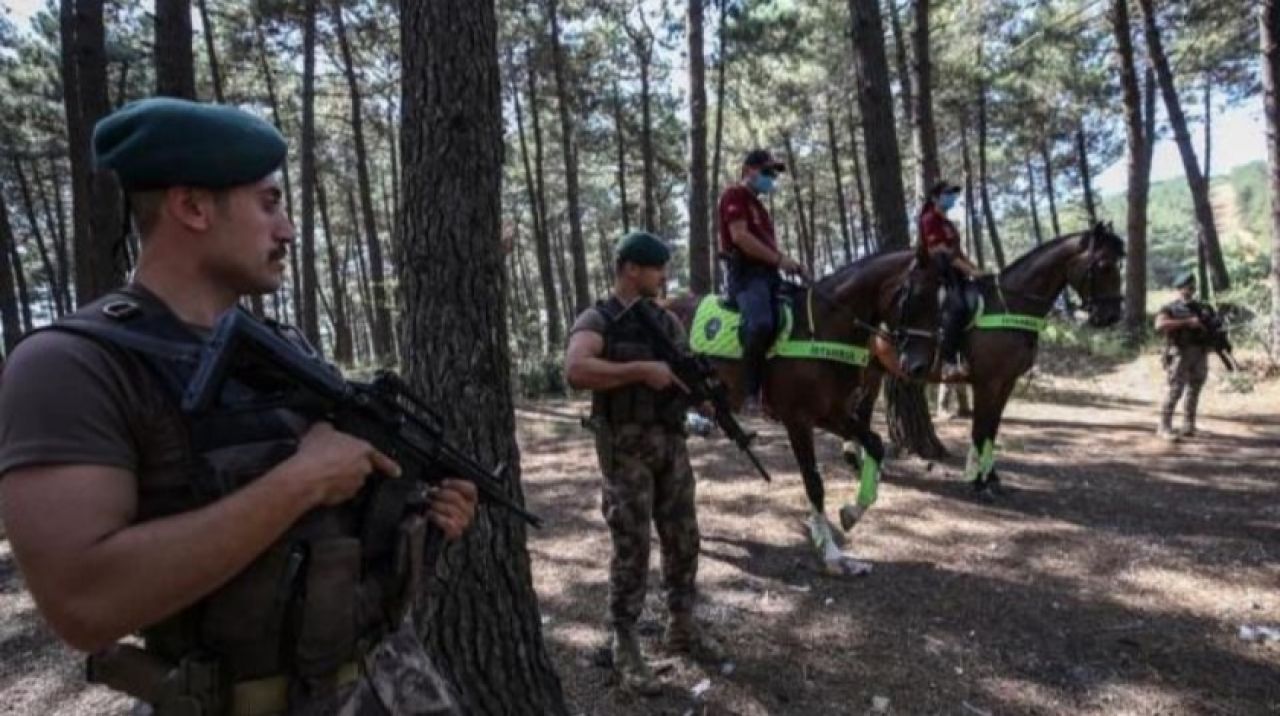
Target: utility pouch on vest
column 193, row 688
column 410, row 562
column 327, row 624
column 243, row 620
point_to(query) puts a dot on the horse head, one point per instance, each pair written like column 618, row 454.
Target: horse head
column 1095, row 275
column 912, row 310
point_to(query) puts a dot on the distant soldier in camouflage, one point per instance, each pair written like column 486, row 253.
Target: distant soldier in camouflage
column 638, row 410
column 1185, row 359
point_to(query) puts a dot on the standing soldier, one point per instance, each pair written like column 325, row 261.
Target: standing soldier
column 228, row 539
column 638, row 409
column 1185, row 359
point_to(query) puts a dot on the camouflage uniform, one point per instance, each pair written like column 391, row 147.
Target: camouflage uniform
column 640, row 442
column 1186, row 364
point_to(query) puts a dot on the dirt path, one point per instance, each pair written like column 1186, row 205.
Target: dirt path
column 1114, row 582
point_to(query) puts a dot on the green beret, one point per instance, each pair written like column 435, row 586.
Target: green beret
column 643, row 249
column 1185, row 278
column 162, row 142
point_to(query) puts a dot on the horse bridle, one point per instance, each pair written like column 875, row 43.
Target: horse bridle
column 1093, row 300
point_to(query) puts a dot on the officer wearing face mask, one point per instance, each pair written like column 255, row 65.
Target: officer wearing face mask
column 748, row 243
column 942, row 240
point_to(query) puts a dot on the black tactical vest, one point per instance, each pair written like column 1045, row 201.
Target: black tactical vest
column 309, row 605
column 626, row 340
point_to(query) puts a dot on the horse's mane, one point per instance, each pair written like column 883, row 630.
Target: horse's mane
column 1104, row 235
column 842, row 273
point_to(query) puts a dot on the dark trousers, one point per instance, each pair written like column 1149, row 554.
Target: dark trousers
column 953, row 308
column 755, row 289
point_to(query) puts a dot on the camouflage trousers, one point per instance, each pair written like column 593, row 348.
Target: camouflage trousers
column 397, row 678
column 647, row 477
column 1186, row 369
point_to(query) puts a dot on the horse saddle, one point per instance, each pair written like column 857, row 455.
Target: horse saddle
column 715, row 334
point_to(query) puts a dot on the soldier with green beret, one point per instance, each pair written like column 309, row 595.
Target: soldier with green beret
column 230, row 540
column 639, row 417
column 1185, row 358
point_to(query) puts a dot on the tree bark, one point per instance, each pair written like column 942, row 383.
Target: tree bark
column 841, row 201
column 620, row 146
column 268, row 76
column 1196, row 181
column 699, row 222
column 20, row 282
column 342, row 353
column 1269, row 19
column 869, row 245
column 381, row 307
column 719, row 144
column 541, row 238
column 1135, row 289
column 310, row 281
column 211, row 50
column 908, row 411
column 997, row 248
column 362, row 272
column 1086, row 179
column 1046, row 156
column 925, row 135
column 96, row 205
column 57, row 226
column 9, row 318
column 175, row 63
column 642, row 43
column 970, row 206
column 1031, row 202
column 903, row 64
column 485, row 629
column 569, row 149
column 28, row 205
column 539, row 241
column 797, row 203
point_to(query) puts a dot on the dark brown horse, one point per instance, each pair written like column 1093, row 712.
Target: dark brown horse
column 899, row 290
column 1088, row 261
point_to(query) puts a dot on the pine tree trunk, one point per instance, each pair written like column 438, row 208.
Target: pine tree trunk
column 797, row 203
column 362, row 272
column 1269, row 19
column 1135, row 289
column 55, row 292
column 211, row 50
column 997, row 248
column 20, row 282
column 925, row 135
column 268, row 77
column 841, row 202
column 342, row 353
column 549, row 295
column 569, row 149
column 1086, row 179
column 542, row 237
column 55, row 219
column 562, row 271
column 1031, row 202
column 96, row 205
column 699, row 224
column 484, row 629
column 310, row 281
column 716, row 269
column 620, row 140
column 175, row 63
column 971, row 213
column 909, row 423
column 905, row 90
column 1046, row 156
column 9, row 318
column 381, row 307
column 869, row 245
column 1196, row 181
column 644, row 52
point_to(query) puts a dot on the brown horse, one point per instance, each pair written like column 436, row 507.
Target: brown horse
column 847, row 307
column 1088, row 261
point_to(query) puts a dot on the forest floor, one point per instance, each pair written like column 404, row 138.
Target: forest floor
column 1115, row 580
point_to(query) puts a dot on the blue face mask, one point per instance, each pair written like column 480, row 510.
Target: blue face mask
column 946, row 201
column 763, row 184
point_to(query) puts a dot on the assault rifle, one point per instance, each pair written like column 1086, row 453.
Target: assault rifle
column 1214, row 331
column 703, row 382
column 386, row 413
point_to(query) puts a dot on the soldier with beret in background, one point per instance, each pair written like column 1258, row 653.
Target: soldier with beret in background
column 1185, row 358
column 638, row 414
column 230, row 541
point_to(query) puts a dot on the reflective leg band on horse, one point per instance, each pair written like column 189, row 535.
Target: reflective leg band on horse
column 978, row 466
column 869, row 482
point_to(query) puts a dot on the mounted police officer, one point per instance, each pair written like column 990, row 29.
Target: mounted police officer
column 230, row 541
column 942, row 240
column 638, row 410
column 1185, row 359
column 748, row 242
